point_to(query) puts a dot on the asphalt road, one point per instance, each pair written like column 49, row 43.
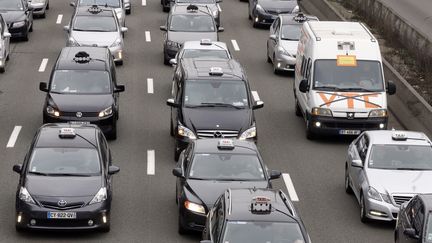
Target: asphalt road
column 143, row 207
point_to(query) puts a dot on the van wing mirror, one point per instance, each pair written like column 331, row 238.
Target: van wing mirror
column 43, row 86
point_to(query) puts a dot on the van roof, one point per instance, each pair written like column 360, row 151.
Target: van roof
column 338, row 30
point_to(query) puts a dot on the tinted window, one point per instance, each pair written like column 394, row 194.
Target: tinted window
column 291, row 32
column 97, row 24
column 226, row 167
column 192, row 23
column 11, row 5
column 365, row 75
column 400, row 157
column 109, row 3
column 58, row 161
column 195, row 53
column 81, row 82
column 259, row 232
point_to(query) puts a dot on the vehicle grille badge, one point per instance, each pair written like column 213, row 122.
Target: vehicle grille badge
column 218, row 134
column 79, row 114
column 350, row 115
column 62, row 203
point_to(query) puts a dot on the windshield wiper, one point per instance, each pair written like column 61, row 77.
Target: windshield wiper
column 220, row 105
column 288, row 39
column 328, row 87
column 359, row 89
column 38, row 173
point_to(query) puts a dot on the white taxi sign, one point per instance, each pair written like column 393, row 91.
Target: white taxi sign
column 399, row 136
column 261, row 204
column 217, row 71
column 67, row 132
column 225, row 144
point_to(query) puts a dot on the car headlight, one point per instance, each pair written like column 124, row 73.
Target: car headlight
column 249, row 133
column 194, row 207
column 173, row 44
column 72, row 42
column 317, row 111
column 259, row 8
column 296, row 9
column 106, row 112
column 52, row 111
column 38, row 1
column 378, row 113
column 374, row 194
column 185, row 132
column 117, row 42
column 25, row 196
column 386, row 197
column 100, row 196
column 18, row 24
column 282, row 51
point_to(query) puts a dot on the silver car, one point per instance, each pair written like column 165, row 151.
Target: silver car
column 213, row 5
column 96, row 26
column 39, row 7
column 202, row 49
column 117, row 5
column 4, row 44
column 387, row 168
column 283, row 40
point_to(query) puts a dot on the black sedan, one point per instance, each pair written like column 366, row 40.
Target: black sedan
column 264, row 12
column 18, row 16
column 65, row 180
column 210, row 166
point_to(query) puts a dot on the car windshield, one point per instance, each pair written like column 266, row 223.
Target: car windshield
column 95, row 24
column 11, row 5
column 216, row 92
column 109, row 3
column 81, row 82
column 199, row 53
column 191, row 23
column 401, row 157
column 238, row 167
column 196, row 1
column 428, row 238
column 263, row 232
column 65, row 161
column 291, row 32
column 358, row 76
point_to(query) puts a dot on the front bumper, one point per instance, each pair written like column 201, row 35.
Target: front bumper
column 284, row 62
column 336, row 125
column 191, row 220
column 262, row 18
column 106, row 124
column 379, row 210
column 18, row 32
column 38, row 8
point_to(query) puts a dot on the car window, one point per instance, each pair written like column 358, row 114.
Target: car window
column 191, row 23
column 362, row 147
column 418, row 217
column 80, row 82
column 400, row 157
column 103, row 148
column 291, row 32
column 218, row 221
column 96, row 24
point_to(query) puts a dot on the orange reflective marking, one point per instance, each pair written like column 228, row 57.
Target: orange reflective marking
column 327, row 101
column 370, row 105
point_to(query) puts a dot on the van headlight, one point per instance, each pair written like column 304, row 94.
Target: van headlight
column 249, row 133
column 106, row 112
column 25, row 196
column 100, row 196
column 185, row 132
column 378, row 113
column 318, row 111
column 117, row 42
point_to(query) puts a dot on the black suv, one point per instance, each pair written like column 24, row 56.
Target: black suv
column 211, row 99
column 83, row 88
column 254, row 216
column 65, row 180
column 18, row 16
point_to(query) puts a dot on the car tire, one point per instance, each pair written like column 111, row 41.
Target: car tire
column 171, row 128
column 43, row 15
column 165, row 8
column 297, row 108
column 7, row 58
column 181, row 229
column 268, row 57
column 26, row 38
column 348, row 188
column 128, row 11
column 2, row 69
column 275, row 70
column 363, row 217
column 19, row 228
column 166, row 61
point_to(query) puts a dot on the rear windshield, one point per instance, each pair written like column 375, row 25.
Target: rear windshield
column 95, row 24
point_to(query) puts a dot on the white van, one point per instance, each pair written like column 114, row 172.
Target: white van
column 339, row 80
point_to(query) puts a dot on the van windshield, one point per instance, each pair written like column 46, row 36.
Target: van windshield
column 365, row 76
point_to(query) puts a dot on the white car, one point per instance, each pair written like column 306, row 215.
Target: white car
column 4, row 44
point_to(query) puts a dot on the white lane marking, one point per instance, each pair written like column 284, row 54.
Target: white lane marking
column 255, row 95
column 43, row 65
column 13, row 137
column 290, row 187
column 235, row 45
column 144, row 2
column 147, row 36
column 150, row 86
column 59, row 19
column 150, row 162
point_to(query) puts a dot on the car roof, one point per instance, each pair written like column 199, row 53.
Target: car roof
column 214, row 45
column 86, row 11
column 100, row 56
column 199, row 68
column 181, row 8
column 210, row 146
column 48, row 136
column 386, row 137
column 289, row 18
column 240, row 200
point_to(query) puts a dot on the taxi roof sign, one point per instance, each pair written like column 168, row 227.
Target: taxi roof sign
column 226, row 144
column 261, row 205
column 216, row 71
column 300, row 17
column 82, row 57
column 192, row 8
column 399, row 136
column 346, row 61
column 94, row 9
column 67, row 132
column 205, row 42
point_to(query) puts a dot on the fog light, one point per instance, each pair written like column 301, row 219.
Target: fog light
column 19, row 219
column 104, row 219
column 381, row 126
column 278, row 65
column 33, row 221
column 318, row 124
column 375, row 213
column 120, row 55
column 56, row 113
column 90, row 222
column 256, row 19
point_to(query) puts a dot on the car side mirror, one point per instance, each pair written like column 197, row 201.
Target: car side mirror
column 72, row 4
column 124, row 29
column 17, row 168
column 272, row 37
column 357, row 163
column 43, row 86
column 113, row 170
column 66, row 28
column 221, row 29
column 303, row 87
column 171, row 102
column 178, row 172
column 411, row 233
column 173, row 61
column 7, row 35
column 163, row 28
column 258, row 105
column 119, row 88
column 391, row 87
column 275, row 174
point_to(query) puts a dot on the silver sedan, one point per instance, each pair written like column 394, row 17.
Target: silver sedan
column 39, row 7
column 387, row 168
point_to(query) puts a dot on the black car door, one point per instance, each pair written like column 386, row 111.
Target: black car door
column 407, row 221
column 184, row 162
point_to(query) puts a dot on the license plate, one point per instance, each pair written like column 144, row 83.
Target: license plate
column 349, row 132
column 61, row 215
column 79, row 122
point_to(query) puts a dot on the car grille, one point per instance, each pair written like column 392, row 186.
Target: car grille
column 217, row 134
column 84, row 114
column 399, row 199
column 53, row 205
column 274, row 12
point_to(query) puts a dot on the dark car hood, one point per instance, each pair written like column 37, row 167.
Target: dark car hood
column 220, row 118
column 82, row 103
column 209, row 191
column 42, row 186
column 282, row 5
column 12, row 16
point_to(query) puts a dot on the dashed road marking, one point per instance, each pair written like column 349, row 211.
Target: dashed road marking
column 43, row 65
column 144, row 2
column 290, row 187
column 59, row 19
column 147, row 36
column 255, row 95
column 150, row 86
column 13, row 137
column 150, row 162
column 235, row 45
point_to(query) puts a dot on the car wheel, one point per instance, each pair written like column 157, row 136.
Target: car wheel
column 181, row 229
column 348, row 188
column 268, row 56
column 165, row 8
column 166, row 60
column 2, row 69
column 297, row 108
column 363, row 217
column 275, row 69
column 7, row 57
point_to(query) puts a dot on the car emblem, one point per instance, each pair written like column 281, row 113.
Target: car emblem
column 350, row 115
column 217, row 125
column 217, row 134
column 62, row 203
column 79, row 114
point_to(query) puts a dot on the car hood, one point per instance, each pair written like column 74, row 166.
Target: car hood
column 289, row 46
column 283, row 5
column 104, row 39
column 13, row 16
column 209, row 191
column 82, row 103
column 400, row 181
column 217, row 118
column 181, row 37
column 65, row 186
